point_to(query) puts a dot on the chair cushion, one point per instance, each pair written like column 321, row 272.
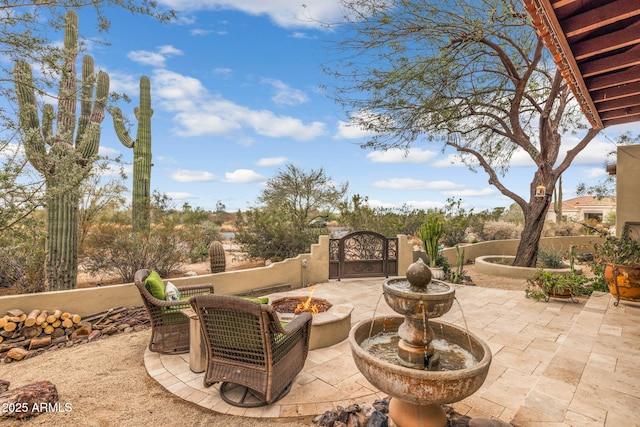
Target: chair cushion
column 261, row 300
column 171, row 292
column 155, row 285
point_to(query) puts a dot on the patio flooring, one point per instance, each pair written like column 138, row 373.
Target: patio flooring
column 555, row 363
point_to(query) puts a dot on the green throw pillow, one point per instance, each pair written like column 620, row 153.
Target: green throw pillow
column 155, row 285
column 261, row 300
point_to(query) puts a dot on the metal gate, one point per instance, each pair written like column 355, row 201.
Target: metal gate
column 363, row 254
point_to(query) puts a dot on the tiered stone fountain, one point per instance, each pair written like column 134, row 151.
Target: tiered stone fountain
column 419, row 362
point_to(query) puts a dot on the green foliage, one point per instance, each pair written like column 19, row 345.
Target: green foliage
column 545, row 283
column 500, row 230
column 301, row 196
column 550, row 258
column 623, row 250
column 430, row 233
column 268, row 235
column 357, row 215
column 458, row 272
column 115, row 250
column 456, row 223
column 22, row 256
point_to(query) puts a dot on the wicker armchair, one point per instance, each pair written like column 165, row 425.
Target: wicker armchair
column 248, row 349
column 169, row 327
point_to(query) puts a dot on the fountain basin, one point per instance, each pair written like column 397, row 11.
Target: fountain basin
column 420, row 387
column 436, row 299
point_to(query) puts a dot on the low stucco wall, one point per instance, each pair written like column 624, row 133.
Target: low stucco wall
column 509, row 247
column 303, row 270
column 492, row 265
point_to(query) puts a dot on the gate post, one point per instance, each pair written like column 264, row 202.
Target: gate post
column 405, row 254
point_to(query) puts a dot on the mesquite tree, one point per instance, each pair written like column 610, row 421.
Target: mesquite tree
column 471, row 74
column 141, row 155
column 64, row 155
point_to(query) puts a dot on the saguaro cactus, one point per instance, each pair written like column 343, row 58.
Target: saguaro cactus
column 63, row 159
column 141, row 155
column 217, row 257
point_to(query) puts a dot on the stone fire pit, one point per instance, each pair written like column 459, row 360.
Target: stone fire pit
column 328, row 327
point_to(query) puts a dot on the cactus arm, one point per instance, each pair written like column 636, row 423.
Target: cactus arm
column 67, row 95
column 91, row 138
column 119, row 127
column 34, row 144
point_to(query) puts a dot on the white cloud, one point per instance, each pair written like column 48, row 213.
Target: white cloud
column 243, row 176
column 471, row 193
column 398, row 155
column 271, row 161
column 284, row 94
column 145, row 57
column 285, row 13
column 155, row 59
column 448, row 161
column 200, row 32
column 192, row 176
column 348, row 130
column 198, row 112
column 127, row 83
column 223, row 72
column 181, row 195
column 417, row 184
column 594, row 173
column 10, row 150
column 108, row 152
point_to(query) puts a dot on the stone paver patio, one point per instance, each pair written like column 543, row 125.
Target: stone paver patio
column 555, row 363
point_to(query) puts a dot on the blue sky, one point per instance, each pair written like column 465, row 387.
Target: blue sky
column 236, row 95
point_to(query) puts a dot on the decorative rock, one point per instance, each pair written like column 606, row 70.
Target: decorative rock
column 382, row 405
column 23, row 402
column 18, row 353
column 378, row 419
column 418, row 274
column 488, row 422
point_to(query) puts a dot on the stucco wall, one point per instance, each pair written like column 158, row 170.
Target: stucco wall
column 290, row 271
column 627, row 178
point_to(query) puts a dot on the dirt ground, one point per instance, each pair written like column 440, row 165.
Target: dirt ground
column 104, row 383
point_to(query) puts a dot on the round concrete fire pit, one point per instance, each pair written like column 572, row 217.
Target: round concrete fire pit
column 328, row 327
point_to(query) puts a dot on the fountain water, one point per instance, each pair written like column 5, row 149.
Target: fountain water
column 422, row 376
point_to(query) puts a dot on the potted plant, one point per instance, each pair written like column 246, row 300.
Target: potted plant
column 621, row 258
column 430, row 233
column 545, row 284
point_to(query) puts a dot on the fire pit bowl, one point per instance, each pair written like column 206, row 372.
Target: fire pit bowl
column 328, row 327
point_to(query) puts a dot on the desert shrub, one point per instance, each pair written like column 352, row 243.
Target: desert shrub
column 565, row 228
column 550, row 258
column 122, row 252
column 22, row 269
column 22, row 258
column 501, row 230
column 198, row 237
column 265, row 236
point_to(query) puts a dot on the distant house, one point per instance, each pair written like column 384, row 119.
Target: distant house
column 587, row 208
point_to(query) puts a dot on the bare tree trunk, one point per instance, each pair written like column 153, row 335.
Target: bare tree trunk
column 534, row 217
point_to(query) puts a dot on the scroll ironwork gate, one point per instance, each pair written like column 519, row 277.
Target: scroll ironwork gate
column 363, row 254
